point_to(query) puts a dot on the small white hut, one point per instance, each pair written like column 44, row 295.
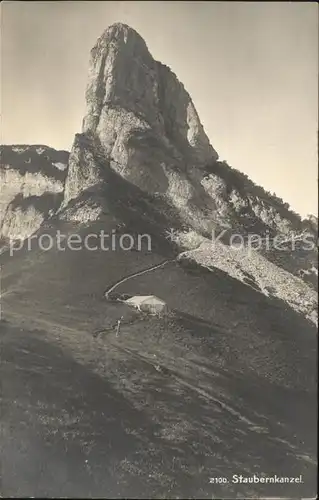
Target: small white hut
column 148, row 303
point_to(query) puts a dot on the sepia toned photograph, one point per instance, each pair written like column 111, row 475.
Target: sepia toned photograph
column 159, row 249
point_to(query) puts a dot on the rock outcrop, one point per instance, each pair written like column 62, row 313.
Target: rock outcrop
column 32, row 183
column 143, row 158
column 144, row 124
column 141, row 122
column 130, row 93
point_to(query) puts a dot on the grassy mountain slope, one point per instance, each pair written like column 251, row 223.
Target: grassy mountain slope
column 225, row 384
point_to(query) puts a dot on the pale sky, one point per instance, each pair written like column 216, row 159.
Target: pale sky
column 250, row 68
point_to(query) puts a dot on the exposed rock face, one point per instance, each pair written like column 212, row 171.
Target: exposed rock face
column 83, row 172
column 143, row 157
column 144, row 123
column 141, row 123
column 129, row 93
column 32, row 183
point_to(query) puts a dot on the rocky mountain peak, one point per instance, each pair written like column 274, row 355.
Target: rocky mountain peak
column 141, row 122
column 124, row 36
column 130, row 93
column 143, row 157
